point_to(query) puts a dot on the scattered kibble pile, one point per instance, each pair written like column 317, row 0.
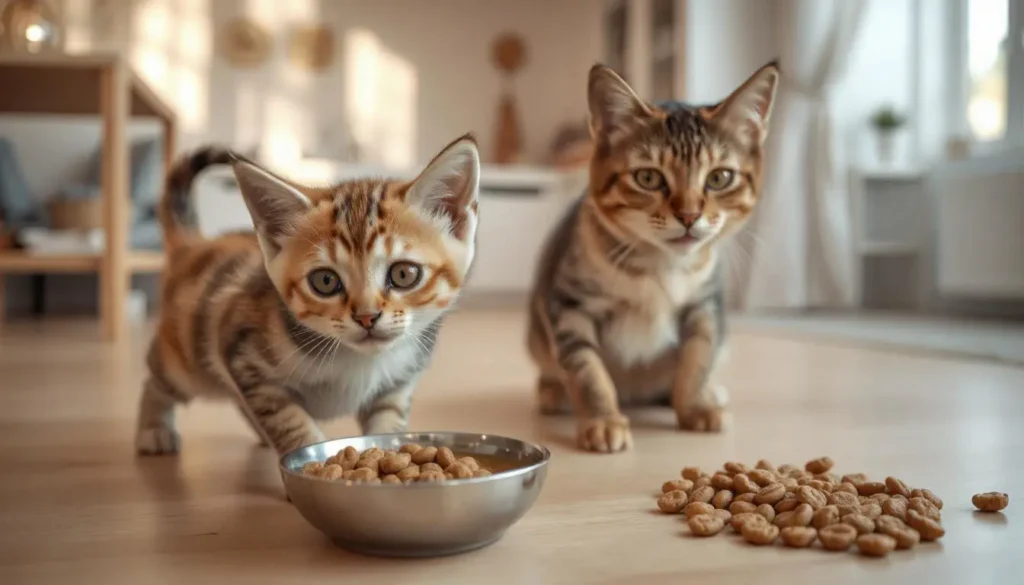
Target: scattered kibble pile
column 410, row 463
column 800, row 506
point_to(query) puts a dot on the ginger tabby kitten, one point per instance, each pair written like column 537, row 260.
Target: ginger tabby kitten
column 331, row 308
column 627, row 305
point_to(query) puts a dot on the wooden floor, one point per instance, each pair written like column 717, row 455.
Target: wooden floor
column 77, row 507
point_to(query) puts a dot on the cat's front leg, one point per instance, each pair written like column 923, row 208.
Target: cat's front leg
column 699, row 403
column 602, row 427
column 284, row 423
column 388, row 412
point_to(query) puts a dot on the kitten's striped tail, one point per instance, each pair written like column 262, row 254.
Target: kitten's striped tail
column 177, row 211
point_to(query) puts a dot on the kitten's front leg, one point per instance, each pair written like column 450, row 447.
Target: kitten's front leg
column 602, row 426
column 389, row 411
column 699, row 404
column 285, row 424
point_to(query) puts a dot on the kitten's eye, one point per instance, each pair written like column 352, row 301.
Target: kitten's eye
column 404, row 275
column 325, row 282
column 719, row 179
column 649, row 179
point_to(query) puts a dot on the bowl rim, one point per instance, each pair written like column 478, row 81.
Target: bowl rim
column 545, row 458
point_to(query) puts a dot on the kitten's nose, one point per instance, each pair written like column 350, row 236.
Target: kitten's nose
column 688, row 219
column 367, row 320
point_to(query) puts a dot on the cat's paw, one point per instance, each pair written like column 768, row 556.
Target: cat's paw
column 605, row 434
column 157, row 441
column 703, row 419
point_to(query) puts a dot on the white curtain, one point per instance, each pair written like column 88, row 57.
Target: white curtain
column 802, row 254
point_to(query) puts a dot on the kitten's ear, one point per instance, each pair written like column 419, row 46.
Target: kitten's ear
column 748, row 110
column 613, row 104
column 449, row 186
column 273, row 204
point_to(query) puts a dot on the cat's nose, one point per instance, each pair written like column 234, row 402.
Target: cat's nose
column 367, row 320
column 688, row 219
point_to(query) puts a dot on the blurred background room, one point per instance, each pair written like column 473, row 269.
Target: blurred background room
column 892, row 210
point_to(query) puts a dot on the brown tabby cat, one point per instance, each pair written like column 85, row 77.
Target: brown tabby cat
column 330, row 308
column 627, row 303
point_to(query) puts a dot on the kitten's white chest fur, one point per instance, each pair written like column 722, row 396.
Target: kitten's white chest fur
column 649, row 326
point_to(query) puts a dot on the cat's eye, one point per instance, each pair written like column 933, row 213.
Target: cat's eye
column 325, row 282
column 404, row 275
column 719, row 179
column 649, row 179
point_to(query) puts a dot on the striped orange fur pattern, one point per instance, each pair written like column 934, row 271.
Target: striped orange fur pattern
column 627, row 303
column 331, row 307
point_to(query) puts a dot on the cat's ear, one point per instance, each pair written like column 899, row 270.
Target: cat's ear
column 748, row 110
column 449, row 186
column 273, row 204
column 614, row 106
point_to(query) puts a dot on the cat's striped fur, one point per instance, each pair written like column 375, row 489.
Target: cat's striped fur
column 627, row 306
column 255, row 318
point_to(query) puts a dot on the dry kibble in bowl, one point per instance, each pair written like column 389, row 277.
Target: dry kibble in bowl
column 991, row 501
column 424, row 455
column 405, row 465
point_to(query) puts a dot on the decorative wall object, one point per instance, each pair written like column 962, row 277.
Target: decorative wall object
column 509, row 54
column 245, row 43
column 312, row 48
column 30, row 26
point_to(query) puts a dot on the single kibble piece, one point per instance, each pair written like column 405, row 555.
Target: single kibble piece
column 684, row 485
column 761, row 477
column 802, row 515
column 789, row 483
column 742, row 484
column 819, row 485
column 409, row 473
column 747, row 497
column 879, row 498
column 863, row 524
column 395, row 463
column 372, row 453
column 759, row 533
column 672, row 502
column 391, row 478
column 721, row 481
column 765, row 464
column 702, row 494
column 349, row 454
column 787, row 504
column 424, row 455
column 819, row 465
column 481, row 473
column 783, row 519
column 895, row 507
column 735, row 468
column 812, row 497
column 691, row 473
column 459, row 470
column 431, row 466
column 876, row 545
column 702, row 481
column 826, row 516
column 333, row 460
column 847, row 510
column 872, row 510
column 725, row 515
column 332, row 472
column 409, row 448
column 798, row 536
column 722, row 499
column 770, row 494
column 906, row 537
column 787, row 468
column 312, row 468
column 697, row 508
column 846, row 487
column 897, row 487
column 737, row 507
column 928, row 495
column 991, row 501
column 739, row 520
column 925, row 508
column 470, row 463
column 866, row 488
column 767, row 511
column 347, row 474
column 363, row 474
column 837, row 537
column 930, row 529
column 430, row 475
column 445, row 457
column 372, row 464
column 829, row 478
column 855, row 478
column 705, row 524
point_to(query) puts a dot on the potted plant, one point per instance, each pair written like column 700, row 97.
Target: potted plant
column 887, row 122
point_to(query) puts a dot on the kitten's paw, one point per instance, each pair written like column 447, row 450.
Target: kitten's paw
column 605, row 434
column 703, row 419
column 157, row 441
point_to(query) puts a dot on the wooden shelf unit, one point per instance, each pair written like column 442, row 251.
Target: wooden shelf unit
column 99, row 85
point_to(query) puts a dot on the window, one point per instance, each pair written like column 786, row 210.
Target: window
column 992, row 70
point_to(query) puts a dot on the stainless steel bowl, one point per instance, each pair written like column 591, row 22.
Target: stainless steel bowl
column 419, row 519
